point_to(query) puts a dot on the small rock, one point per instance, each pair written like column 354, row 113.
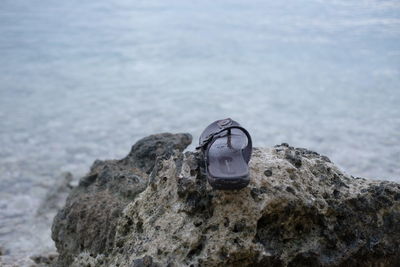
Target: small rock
column 45, row 259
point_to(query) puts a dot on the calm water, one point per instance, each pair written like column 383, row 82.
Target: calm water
column 81, row 80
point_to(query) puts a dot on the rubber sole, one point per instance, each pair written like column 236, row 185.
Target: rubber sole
column 228, row 184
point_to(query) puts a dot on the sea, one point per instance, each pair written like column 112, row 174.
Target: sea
column 84, row 80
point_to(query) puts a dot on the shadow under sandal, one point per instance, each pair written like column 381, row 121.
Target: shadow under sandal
column 226, row 148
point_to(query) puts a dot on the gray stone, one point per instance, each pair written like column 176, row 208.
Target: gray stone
column 303, row 212
column 87, row 222
column 146, row 150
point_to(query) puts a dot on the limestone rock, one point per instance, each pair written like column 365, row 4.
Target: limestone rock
column 155, row 208
column 87, row 222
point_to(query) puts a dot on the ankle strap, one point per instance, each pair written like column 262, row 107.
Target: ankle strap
column 209, row 140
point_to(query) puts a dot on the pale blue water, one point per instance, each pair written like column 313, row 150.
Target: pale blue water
column 81, row 80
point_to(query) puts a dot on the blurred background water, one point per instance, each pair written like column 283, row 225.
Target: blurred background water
column 81, row 80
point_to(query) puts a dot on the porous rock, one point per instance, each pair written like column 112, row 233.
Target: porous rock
column 298, row 210
column 89, row 218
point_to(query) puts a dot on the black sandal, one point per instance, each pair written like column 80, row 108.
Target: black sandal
column 226, row 148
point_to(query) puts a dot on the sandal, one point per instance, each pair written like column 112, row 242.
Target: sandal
column 226, row 148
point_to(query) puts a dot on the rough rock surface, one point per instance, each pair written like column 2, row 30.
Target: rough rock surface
column 155, row 208
column 90, row 216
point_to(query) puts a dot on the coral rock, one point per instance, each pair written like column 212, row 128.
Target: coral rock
column 155, row 208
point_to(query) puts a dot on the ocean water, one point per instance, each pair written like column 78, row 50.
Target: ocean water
column 83, row 80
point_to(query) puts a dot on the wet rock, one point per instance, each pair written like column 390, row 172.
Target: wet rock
column 45, row 259
column 308, row 213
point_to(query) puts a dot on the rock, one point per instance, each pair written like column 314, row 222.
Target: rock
column 45, row 259
column 38, row 260
column 145, row 152
column 88, row 221
column 298, row 210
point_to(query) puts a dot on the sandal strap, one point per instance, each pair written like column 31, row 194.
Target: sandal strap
column 208, row 140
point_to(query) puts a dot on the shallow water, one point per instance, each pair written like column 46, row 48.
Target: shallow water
column 81, row 80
